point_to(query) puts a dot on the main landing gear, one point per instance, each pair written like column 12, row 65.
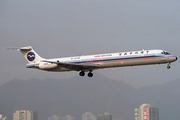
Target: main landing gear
column 82, row 73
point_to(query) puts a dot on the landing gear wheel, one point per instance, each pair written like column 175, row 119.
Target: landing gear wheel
column 168, row 67
column 90, row 74
column 82, row 73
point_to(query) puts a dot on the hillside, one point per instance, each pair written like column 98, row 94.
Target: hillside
column 78, row 95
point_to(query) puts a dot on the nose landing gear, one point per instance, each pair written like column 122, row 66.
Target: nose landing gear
column 168, row 66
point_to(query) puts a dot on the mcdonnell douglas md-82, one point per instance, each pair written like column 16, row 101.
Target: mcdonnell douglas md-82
column 89, row 63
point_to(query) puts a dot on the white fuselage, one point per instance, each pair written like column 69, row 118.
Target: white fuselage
column 120, row 59
column 89, row 63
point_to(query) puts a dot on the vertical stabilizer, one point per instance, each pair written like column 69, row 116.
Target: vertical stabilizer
column 30, row 55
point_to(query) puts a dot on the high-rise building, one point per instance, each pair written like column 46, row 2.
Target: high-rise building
column 137, row 114
column 88, row 116
column 25, row 115
column 146, row 112
column 67, row 117
column 105, row 116
column 2, row 117
column 53, row 117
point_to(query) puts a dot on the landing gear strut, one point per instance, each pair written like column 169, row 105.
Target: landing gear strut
column 168, row 66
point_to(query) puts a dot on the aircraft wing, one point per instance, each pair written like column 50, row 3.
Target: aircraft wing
column 74, row 66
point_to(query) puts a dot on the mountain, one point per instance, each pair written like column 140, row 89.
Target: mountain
column 166, row 97
column 78, row 95
column 73, row 96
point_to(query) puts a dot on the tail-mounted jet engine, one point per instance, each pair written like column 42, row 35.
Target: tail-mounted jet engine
column 45, row 66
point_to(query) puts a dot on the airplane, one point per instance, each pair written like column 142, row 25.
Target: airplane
column 90, row 63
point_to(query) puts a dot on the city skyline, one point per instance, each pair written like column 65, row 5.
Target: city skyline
column 29, row 115
column 144, row 112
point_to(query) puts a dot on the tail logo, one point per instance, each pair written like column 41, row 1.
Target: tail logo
column 30, row 56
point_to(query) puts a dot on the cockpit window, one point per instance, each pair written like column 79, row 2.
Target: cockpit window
column 165, row 53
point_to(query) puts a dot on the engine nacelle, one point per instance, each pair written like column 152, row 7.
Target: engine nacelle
column 46, row 66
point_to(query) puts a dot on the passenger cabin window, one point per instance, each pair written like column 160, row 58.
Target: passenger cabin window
column 136, row 52
column 125, row 53
column 147, row 52
column 120, row 54
column 130, row 53
column 142, row 52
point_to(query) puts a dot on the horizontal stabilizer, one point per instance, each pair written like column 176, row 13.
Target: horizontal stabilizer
column 22, row 48
column 12, row 48
column 25, row 48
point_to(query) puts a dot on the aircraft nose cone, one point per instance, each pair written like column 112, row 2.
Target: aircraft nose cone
column 176, row 58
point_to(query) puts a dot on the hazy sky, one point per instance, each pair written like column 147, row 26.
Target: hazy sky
column 60, row 28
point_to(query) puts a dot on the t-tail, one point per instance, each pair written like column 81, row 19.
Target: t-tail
column 30, row 55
